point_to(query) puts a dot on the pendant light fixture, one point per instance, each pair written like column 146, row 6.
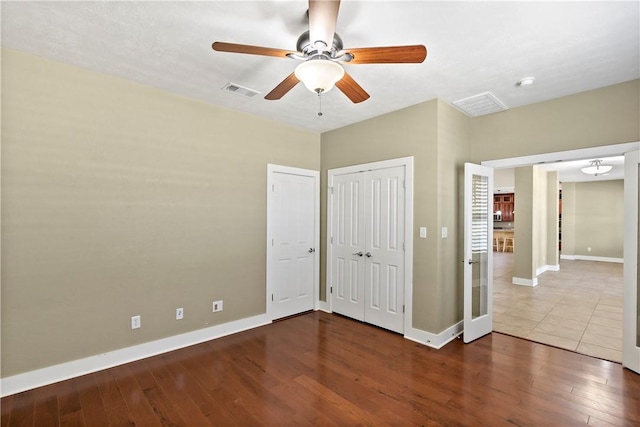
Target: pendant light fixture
column 596, row 168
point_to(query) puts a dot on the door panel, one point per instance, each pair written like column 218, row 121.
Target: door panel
column 293, row 265
column 384, row 257
column 478, row 250
column 348, row 245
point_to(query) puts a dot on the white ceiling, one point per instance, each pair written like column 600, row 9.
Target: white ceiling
column 473, row 47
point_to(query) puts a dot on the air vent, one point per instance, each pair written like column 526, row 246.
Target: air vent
column 240, row 90
column 480, row 105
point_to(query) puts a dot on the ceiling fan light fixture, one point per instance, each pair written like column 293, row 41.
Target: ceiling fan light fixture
column 319, row 75
column 596, row 168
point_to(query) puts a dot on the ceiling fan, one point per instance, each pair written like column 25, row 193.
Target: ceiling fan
column 322, row 53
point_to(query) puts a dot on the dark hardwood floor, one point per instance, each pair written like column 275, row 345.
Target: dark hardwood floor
column 323, row 369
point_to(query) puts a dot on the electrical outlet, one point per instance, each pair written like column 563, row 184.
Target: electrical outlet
column 179, row 313
column 135, row 322
column 217, row 306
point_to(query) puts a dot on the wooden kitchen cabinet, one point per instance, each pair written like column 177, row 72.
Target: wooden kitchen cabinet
column 504, row 203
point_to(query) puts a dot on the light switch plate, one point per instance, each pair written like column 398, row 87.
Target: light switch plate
column 444, row 232
column 423, row 232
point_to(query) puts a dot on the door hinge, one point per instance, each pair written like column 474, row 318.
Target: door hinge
column 272, row 242
column 332, row 240
column 403, row 308
column 404, row 183
column 403, row 247
column 271, row 297
column 273, row 188
column 331, row 290
column 331, row 189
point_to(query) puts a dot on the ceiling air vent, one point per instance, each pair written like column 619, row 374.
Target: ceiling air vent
column 240, row 90
column 480, row 105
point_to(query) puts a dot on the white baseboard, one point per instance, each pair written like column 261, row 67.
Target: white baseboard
column 524, row 282
column 547, row 267
column 591, row 258
column 436, row 341
column 64, row 371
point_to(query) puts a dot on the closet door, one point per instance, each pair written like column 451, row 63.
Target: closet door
column 384, row 253
column 368, row 246
column 348, row 245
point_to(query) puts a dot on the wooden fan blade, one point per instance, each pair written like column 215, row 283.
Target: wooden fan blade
column 251, row 50
column 388, row 55
column 353, row 90
column 285, row 86
column 323, row 15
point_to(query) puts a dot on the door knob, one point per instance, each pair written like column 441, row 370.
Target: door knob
column 311, row 250
column 474, row 262
column 358, row 253
column 368, row 255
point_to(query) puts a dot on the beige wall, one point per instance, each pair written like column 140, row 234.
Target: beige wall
column 504, row 178
column 453, row 152
column 610, row 115
column 568, row 228
column 539, row 242
column 594, row 213
column 119, row 199
column 525, row 223
column 553, row 191
column 536, row 231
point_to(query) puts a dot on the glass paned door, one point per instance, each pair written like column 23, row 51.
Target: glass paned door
column 478, row 250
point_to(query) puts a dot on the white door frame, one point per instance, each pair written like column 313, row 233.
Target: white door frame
column 630, row 348
column 407, row 162
column 271, row 171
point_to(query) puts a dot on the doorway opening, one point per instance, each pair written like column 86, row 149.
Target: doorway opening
column 578, row 307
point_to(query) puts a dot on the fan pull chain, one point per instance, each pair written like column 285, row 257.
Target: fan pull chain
column 320, row 104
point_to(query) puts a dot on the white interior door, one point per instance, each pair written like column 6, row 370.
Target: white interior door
column 631, row 307
column 367, row 253
column 348, row 245
column 384, row 256
column 292, row 264
column 478, row 251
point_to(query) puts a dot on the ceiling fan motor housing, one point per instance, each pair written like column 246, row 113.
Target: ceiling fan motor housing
column 307, row 48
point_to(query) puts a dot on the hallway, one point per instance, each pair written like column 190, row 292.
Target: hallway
column 578, row 308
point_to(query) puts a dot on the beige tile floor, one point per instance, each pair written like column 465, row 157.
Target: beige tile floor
column 578, row 308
